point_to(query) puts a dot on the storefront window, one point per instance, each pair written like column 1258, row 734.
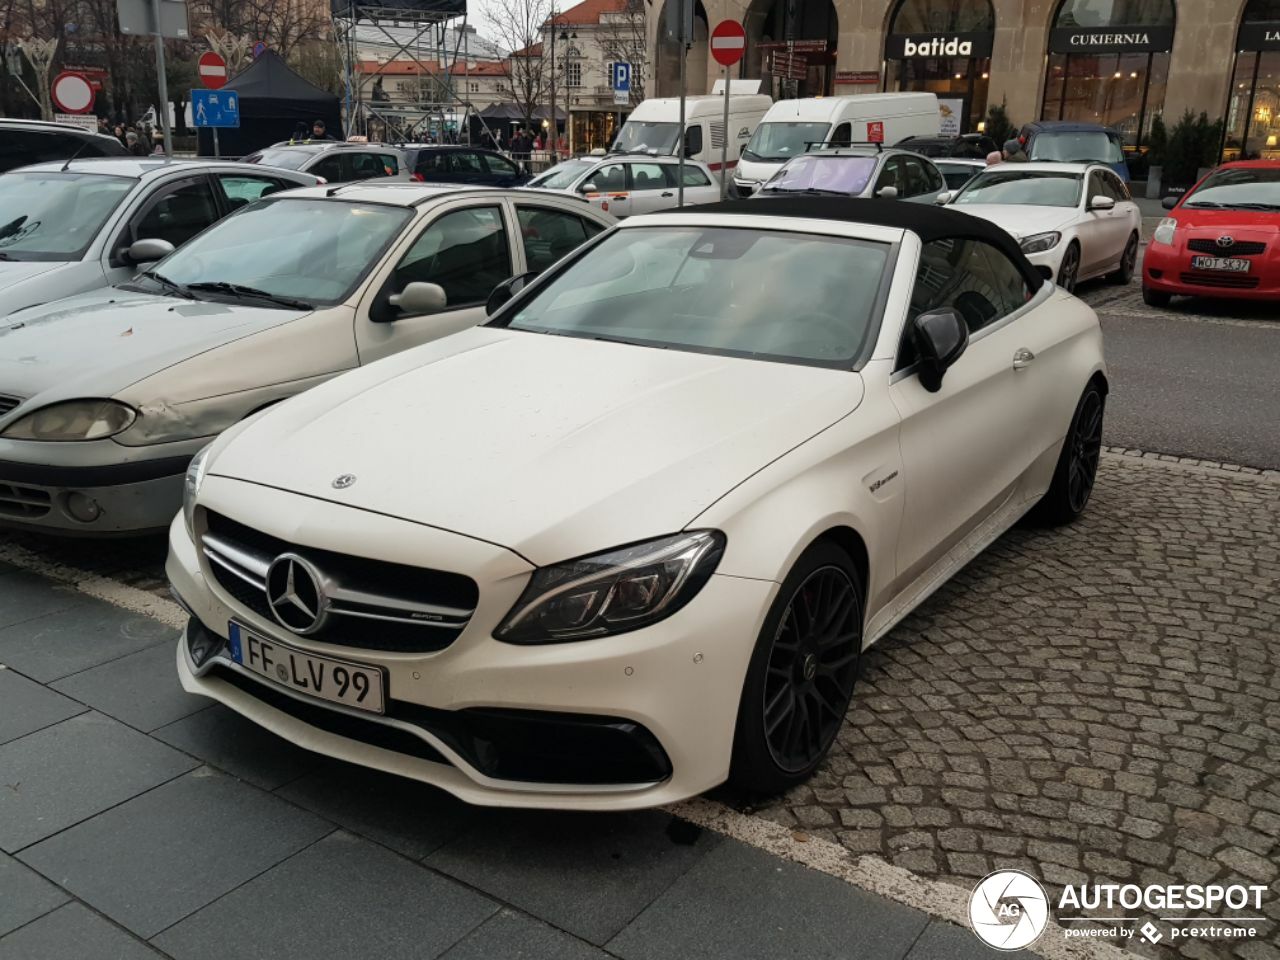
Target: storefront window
column 1109, row 64
column 943, row 47
column 1252, row 125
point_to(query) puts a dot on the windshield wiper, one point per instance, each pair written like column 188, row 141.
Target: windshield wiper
column 1206, row 204
column 239, row 290
column 808, row 191
column 169, row 285
column 1253, row 205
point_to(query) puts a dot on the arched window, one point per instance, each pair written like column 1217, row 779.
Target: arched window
column 943, row 47
column 1109, row 64
column 1252, row 125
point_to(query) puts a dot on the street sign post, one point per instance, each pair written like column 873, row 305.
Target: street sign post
column 728, row 44
column 214, row 109
column 160, row 18
column 621, row 83
column 213, row 70
column 72, row 92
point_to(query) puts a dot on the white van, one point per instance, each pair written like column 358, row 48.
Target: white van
column 792, row 126
column 654, row 125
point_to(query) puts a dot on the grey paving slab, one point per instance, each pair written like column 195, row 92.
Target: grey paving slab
column 587, row 874
column 25, row 596
column 228, row 741
column 24, row 895
column 942, row 941
column 76, row 638
column 26, row 706
column 405, row 815
column 66, row 773
column 73, row 932
column 743, row 903
column 341, row 898
column 141, row 689
column 160, row 857
column 510, row 935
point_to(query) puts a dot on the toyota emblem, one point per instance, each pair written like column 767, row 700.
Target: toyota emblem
column 342, row 481
column 295, row 594
column 1225, row 241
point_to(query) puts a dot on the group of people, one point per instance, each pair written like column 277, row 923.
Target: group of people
column 1011, row 152
column 139, row 139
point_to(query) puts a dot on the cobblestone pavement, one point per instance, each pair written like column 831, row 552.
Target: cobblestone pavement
column 1100, row 702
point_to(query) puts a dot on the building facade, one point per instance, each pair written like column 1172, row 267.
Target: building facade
column 1117, row 62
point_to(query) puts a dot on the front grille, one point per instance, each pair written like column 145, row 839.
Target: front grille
column 1226, row 281
column 373, row 604
column 1241, row 248
column 24, row 503
column 8, row 403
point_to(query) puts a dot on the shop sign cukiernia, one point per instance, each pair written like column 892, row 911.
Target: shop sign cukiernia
column 1114, row 39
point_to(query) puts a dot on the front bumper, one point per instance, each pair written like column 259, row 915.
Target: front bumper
column 1167, row 269
column 1048, row 261
column 91, row 488
column 663, row 700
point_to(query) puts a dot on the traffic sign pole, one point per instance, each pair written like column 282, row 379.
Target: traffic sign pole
column 728, row 43
column 724, row 141
column 162, row 81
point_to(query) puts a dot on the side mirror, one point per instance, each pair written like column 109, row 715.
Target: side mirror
column 1169, row 202
column 887, row 193
column 689, row 152
column 148, row 251
column 943, row 198
column 940, row 337
column 589, row 187
column 418, row 299
column 507, row 290
column 1101, row 203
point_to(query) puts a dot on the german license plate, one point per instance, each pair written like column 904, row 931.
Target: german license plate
column 1231, row 264
column 338, row 681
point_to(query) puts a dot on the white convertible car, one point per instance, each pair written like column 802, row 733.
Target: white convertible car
column 628, row 539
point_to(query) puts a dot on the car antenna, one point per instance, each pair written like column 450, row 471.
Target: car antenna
column 83, row 144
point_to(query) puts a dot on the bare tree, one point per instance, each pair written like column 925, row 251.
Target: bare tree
column 622, row 39
column 518, row 26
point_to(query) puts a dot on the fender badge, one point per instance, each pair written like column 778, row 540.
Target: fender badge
column 343, row 481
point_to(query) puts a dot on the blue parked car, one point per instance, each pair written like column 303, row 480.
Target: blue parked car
column 1069, row 141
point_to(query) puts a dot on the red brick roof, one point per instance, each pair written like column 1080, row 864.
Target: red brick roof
column 413, row 68
column 589, row 11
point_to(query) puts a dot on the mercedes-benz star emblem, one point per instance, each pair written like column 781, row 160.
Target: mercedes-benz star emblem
column 343, row 481
column 1225, row 241
column 296, row 595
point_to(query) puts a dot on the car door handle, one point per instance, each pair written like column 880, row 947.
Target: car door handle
column 1022, row 358
column 668, row 194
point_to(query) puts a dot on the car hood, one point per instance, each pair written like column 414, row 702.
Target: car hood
column 1020, row 220
column 551, row 446
column 14, row 272
column 98, row 343
column 1254, row 221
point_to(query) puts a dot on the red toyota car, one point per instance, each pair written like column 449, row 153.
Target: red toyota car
column 1222, row 239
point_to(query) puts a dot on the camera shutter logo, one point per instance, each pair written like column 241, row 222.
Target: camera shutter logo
column 1008, row 910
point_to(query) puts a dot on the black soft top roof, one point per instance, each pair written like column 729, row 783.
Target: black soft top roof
column 926, row 221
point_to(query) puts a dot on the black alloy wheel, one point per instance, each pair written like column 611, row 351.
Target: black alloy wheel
column 1070, row 269
column 1128, row 261
column 1086, row 448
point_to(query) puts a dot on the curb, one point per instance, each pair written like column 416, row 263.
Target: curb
column 1218, row 468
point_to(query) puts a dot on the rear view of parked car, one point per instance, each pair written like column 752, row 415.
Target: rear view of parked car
column 1067, row 141
column 24, row 142
column 335, row 161
column 428, row 163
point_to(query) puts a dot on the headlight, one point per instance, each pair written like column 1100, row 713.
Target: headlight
column 1040, row 242
column 624, row 589
column 73, row 420
column 1164, row 231
column 191, row 487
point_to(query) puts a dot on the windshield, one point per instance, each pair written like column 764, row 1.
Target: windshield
column 834, row 174
column 763, row 294
column 641, row 136
column 956, row 174
column 55, row 216
column 1041, row 188
column 291, row 158
column 1239, row 188
column 562, row 176
column 1076, row 146
column 315, row 250
column 773, row 142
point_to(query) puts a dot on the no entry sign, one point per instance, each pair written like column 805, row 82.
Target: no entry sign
column 728, row 42
column 72, row 92
column 213, row 70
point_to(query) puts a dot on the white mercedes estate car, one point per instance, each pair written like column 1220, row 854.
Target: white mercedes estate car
column 628, row 539
column 1074, row 221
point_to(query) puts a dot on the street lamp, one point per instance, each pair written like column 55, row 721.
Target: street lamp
column 555, row 120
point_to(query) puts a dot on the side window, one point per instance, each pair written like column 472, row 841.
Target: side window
column 329, row 167
column 465, row 251
column 466, row 164
column 390, row 164
column 932, row 178
column 548, row 235
column 842, row 133
column 892, row 175
column 1117, row 188
column 177, row 213
column 693, row 176
column 1097, row 185
column 432, row 164
column 241, row 191
column 917, row 180
column 500, row 166
column 367, row 166
column 692, row 141
column 648, row 176
column 608, row 179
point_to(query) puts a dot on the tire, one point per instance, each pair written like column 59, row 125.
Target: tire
column 800, row 679
column 1069, row 269
column 1155, row 298
column 1077, row 467
column 1128, row 261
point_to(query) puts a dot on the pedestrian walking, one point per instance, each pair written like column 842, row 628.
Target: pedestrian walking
column 1013, row 152
column 157, row 144
column 133, row 144
column 319, row 131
